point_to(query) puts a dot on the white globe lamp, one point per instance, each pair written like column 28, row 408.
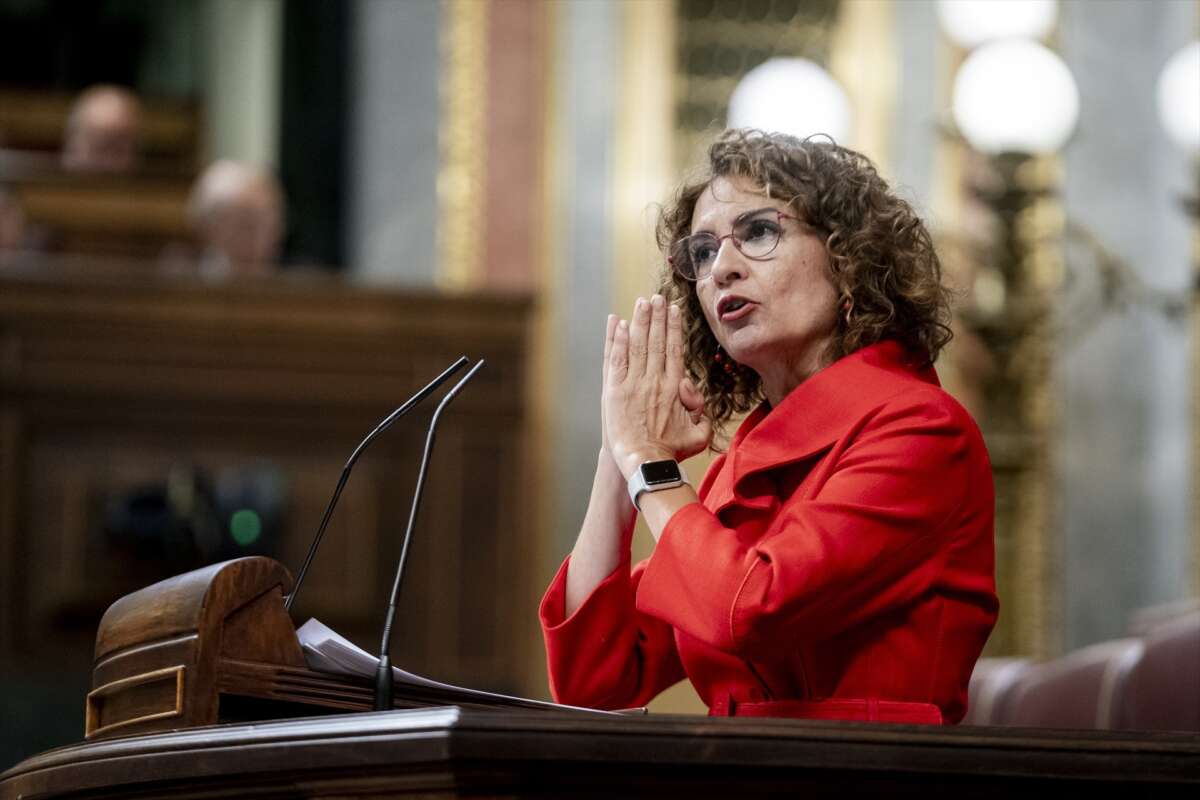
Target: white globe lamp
column 1179, row 98
column 791, row 95
column 1015, row 95
column 970, row 23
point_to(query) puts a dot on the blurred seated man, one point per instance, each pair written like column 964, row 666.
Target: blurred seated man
column 236, row 212
column 103, row 131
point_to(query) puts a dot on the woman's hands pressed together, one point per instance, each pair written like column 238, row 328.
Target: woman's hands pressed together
column 648, row 411
column 651, row 410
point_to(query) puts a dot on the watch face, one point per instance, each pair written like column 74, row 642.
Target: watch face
column 656, row 472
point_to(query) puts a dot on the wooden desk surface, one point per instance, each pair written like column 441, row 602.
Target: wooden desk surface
column 453, row 752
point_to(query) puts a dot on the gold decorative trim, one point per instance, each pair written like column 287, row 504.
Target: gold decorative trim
column 862, row 57
column 643, row 173
column 462, row 155
column 545, row 373
column 1039, row 553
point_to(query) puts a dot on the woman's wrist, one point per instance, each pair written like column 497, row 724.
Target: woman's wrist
column 606, row 464
column 628, row 461
column 659, row 507
column 612, row 484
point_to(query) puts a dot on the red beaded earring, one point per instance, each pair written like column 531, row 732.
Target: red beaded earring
column 722, row 359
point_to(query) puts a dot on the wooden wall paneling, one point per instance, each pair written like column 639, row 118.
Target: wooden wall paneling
column 120, row 378
column 11, row 555
column 101, row 214
column 11, row 478
column 439, row 528
column 70, row 472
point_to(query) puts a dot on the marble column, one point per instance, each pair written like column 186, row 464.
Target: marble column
column 392, row 219
column 1125, row 438
column 584, row 103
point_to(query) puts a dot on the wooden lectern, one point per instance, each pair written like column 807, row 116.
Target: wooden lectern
column 216, row 645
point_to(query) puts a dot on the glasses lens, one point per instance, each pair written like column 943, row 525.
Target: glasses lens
column 758, row 236
column 679, row 260
column 692, row 257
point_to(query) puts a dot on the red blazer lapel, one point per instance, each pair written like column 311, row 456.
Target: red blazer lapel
column 811, row 419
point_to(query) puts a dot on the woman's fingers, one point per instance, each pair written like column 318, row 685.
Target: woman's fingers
column 656, row 340
column 648, row 404
column 639, row 332
column 609, row 330
column 618, row 362
column 674, row 355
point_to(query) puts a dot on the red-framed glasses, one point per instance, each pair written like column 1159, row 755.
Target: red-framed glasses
column 755, row 234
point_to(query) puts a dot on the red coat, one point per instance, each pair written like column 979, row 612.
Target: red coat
column 838, row 566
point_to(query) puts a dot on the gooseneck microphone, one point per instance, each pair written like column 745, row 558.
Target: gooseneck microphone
column 409, row 404
column 383, row 675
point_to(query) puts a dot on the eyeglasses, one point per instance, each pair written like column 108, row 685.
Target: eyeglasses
column 755, row 235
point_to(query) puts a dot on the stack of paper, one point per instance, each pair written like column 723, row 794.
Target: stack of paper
column 327, row 651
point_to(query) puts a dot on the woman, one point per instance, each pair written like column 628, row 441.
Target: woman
column 837, row 561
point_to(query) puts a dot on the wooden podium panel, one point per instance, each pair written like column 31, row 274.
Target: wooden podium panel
column 452, row 752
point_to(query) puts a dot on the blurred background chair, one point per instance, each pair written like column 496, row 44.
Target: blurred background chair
column 1162, row 691
column 1083, row 689
column 991, row 689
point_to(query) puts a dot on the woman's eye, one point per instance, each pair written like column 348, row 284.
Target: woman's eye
column 702, row 252
column 760, row 229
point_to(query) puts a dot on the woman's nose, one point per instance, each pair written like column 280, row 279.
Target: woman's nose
column 729, row 264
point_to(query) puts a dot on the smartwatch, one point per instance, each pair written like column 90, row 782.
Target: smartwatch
column 654, row 476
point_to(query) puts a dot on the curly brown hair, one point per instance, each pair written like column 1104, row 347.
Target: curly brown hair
column 881, row 256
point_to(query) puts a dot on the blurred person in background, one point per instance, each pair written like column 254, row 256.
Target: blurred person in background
column 236, row 212
column 103, row 131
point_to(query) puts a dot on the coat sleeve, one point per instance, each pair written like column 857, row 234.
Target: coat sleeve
column 607, row 654
column 872, row 538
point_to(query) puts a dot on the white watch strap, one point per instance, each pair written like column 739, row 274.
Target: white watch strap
column 637, row 484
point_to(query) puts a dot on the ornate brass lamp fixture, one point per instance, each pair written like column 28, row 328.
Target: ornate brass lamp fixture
column 1016, row 104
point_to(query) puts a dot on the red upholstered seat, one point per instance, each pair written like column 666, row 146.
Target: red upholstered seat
column 991, row 689
column 1083, row 689
column 1163, row 690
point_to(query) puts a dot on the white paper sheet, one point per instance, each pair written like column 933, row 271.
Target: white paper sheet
column 327, row 651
